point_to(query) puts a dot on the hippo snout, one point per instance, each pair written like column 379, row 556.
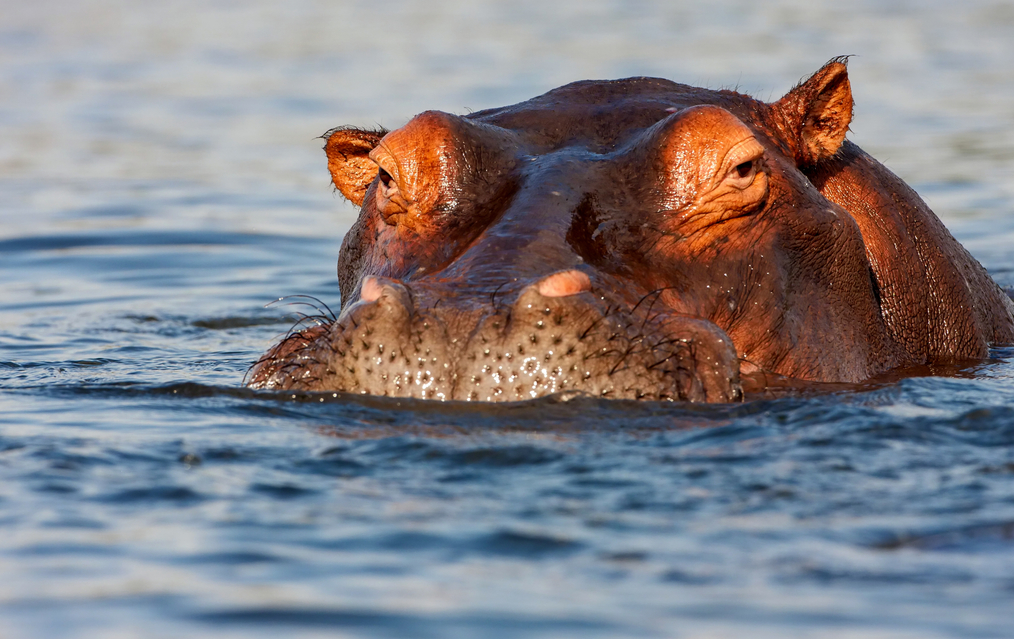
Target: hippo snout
column 557, row 334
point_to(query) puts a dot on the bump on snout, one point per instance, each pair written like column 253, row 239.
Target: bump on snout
column 388, row 292
column 565, row 283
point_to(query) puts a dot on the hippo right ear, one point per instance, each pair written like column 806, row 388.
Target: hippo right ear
column 348, row 160
column 817, row 113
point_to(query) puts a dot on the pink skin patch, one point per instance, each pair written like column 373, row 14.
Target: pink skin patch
column 371, row 289
column 565, row 283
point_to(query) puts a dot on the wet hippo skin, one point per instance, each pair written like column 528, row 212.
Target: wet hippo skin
column 636, row 239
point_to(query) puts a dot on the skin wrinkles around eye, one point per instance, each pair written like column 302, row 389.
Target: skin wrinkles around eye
column 706, row 212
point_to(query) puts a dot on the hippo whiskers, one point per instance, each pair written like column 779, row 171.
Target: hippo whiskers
column 636, row 239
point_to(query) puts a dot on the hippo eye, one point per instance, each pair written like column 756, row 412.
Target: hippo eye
column 742, row 175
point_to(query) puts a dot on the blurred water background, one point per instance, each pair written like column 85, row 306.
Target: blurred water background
column 161, row 180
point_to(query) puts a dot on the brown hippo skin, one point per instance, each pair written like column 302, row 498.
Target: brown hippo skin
column 635, row 239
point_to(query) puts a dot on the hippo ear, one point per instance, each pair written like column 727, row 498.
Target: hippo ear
column 818, row 112
column 348, row 160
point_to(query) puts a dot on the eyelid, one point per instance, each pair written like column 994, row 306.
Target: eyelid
column 385, row 162
column 747, row 150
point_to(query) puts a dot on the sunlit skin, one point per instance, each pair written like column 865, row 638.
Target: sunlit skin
column 634, row 239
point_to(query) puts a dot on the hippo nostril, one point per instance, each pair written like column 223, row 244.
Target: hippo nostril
column 371, row 289
column 564, row 283
column 374, row 288
column 387, row 293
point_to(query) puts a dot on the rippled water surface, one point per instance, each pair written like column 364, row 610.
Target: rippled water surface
column 160, row 181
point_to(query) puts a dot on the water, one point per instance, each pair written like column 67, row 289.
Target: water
column 160, row 181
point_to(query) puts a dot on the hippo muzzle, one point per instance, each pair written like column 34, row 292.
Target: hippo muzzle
column 558, row 334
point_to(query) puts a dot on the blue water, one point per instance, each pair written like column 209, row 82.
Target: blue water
column 160, row 183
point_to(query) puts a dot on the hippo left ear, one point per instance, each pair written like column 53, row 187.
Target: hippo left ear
column 348, row 160
column 817, row 112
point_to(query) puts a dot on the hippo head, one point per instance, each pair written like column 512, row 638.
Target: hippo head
column 628, row 239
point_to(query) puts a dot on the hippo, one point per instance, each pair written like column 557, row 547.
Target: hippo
column 634, row 239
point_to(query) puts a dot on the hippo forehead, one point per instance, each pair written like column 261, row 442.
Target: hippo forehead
column 602, row 115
